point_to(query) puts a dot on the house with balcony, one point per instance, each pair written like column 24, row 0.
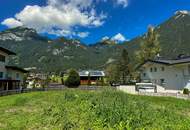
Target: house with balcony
column 11, row 77
column 166, row 74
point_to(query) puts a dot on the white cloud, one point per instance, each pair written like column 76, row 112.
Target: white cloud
column 60, row 17
column 105, row 38
column 11, row 22
column 83, row 34
column 119, row 38
column 122, row 2
column 69, row 33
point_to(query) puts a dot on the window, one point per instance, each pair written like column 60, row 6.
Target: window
column 1, row 75
column 155, row 69
column 162, row 82
column 2, row 58
column 162, row 68
column 144, row 74
column 17, row 75
column 151, row 69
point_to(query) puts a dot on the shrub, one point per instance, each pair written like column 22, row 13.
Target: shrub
column 186, row 91
column 73, row 79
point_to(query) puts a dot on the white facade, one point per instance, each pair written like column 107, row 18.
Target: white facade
column 166, row 77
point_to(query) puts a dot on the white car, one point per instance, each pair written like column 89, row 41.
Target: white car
column 146, row 87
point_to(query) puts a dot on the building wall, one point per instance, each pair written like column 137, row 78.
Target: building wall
column 15, row 75
column 10, row 79
column 3, row 64
column 93, row 80
column 9, row 73
column 186, row 75
column 173, row 76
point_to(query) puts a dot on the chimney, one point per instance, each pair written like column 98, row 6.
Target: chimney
column 158, row 57
column 181, row 56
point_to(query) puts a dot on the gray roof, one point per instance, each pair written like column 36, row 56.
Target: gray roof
column 16, row 68
column 92, row 73
column 7, row 51
column 171, row 61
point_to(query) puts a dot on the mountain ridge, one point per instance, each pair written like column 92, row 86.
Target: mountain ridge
column 60, row 54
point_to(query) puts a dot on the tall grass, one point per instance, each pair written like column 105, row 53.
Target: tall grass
column 107, row 109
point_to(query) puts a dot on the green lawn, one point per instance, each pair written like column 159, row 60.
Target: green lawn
column 107, row 109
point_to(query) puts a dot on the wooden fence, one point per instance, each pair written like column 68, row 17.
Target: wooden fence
column 18, row 91
column 91, row 88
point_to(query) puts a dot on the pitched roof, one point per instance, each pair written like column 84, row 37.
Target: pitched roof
column 182, row 60
column 171, row 61
column 7, row 51
column 16, row 68
column 92, row 73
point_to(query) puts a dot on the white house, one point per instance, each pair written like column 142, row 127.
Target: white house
column 173, row 74
column 11, row 77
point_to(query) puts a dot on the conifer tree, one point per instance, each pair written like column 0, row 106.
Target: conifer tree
column 124, row 67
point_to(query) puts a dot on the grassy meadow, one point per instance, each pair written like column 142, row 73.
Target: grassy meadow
column 92, row 110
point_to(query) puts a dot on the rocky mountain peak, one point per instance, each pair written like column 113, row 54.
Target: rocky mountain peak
column 182, row 12
column 20, row 34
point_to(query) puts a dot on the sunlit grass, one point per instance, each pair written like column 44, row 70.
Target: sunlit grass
column 107, row 109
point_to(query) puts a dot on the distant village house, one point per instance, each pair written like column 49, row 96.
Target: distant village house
column 91, row 76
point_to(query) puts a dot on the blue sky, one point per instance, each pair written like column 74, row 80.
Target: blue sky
column 88, row 20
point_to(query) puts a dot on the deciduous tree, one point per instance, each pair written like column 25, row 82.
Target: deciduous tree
column 73, row 79
column 150, row 46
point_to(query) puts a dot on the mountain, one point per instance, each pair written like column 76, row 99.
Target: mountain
column 36, row 51
column 174, row 36
column 20, row 34
column 104, row 42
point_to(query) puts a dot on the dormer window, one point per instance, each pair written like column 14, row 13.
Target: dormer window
column 2, row 58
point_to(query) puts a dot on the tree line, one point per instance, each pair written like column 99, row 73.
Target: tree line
column 122, row 71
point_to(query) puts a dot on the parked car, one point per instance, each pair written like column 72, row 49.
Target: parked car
column 115, row 84
column 146, row 87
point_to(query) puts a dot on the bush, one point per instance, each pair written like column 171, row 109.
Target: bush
column 186, row 91
column 73, row 80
